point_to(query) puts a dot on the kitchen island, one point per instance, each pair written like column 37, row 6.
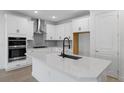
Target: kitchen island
column 53, row 68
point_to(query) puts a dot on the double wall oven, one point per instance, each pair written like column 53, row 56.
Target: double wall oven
column 16, row 48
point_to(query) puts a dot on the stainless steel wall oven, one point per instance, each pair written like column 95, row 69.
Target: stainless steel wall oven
column 16, row 48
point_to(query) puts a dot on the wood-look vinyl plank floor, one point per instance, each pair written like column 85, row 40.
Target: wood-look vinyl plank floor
column 18, row 75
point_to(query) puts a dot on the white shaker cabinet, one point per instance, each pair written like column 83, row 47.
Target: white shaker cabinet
column 81, row 24
column 51, row 32
column 64, row 30
column 22, row 22
column 19, row 25
column 11, row 24
column 30, row 30
column 60, row 32
column 15, row 24
column 68, row 30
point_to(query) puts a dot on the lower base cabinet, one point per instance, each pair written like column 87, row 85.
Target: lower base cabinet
column 44, row 73
column 17, row 64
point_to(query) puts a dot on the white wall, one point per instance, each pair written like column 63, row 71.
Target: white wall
column 121, row 45
column 2, row 40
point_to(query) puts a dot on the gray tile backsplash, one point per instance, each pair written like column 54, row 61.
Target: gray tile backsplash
column 39, row 39
column 51, row 43
column 29, row 43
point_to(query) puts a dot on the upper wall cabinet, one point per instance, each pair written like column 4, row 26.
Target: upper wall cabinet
column 64, row 30
column 19, row 25
column 68, row 30
column 51, row 34
column 30, row 30
column 81, row 24
column 15, row 24
column 58, row 32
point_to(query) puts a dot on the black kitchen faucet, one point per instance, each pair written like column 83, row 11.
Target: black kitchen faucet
column 65, row 45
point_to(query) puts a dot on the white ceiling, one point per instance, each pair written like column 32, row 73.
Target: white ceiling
column 47, row 14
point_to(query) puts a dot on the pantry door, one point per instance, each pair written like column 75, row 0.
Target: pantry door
column 106, row 39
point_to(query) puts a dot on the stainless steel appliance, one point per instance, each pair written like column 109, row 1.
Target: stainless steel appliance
column 16, row 48
column 41, row 26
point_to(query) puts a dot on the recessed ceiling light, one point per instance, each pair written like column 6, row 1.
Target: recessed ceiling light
column 53, row 17
column 35, row 12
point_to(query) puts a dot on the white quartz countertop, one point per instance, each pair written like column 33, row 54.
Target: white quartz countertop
column 86, row 67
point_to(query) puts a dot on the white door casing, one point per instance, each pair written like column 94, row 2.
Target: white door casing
column 121, row 45
column 106, row 39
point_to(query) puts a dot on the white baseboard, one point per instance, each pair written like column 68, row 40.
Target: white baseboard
column 35, row 76
column 13, row 68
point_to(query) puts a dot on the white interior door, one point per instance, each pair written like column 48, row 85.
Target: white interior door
column 121, row 45
column 106, row 39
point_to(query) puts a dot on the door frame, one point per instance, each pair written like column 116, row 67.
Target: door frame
column 93, row 34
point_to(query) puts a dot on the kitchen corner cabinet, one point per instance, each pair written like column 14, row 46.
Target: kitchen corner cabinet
column 81, row 24
column 51, row 33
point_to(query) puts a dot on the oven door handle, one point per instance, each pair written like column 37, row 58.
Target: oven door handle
column 17, row 47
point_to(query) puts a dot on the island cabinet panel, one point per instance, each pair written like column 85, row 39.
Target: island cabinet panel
column 58, row 76
column 45, row 70
column 40, row 72
column 43, row 73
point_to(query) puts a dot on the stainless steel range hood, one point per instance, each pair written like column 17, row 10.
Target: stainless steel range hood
column 41, row 26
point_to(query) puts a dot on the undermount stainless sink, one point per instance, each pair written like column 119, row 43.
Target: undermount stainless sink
column 70, row 56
